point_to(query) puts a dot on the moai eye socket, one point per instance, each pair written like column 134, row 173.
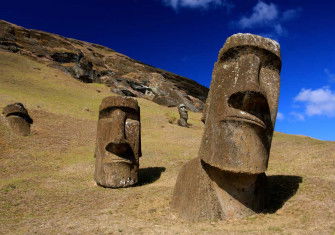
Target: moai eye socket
column 21, row 115
column 18, row 118
column 108, row 112
column 132, row 114
column 231, row 54
column 271, row 61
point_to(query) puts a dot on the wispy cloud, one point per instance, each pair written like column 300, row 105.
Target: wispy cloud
column 290, row 14
column 280, row 116
column 317, row 102
column 203, row 4
column 262, row 14
column 330, row 75
column 297, row 116
column 269, row 17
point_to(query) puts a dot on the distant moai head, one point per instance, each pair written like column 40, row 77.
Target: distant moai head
column 182, row 111
column 18, row 118
column 242, row 105
column 118, row 145
column 183, row 115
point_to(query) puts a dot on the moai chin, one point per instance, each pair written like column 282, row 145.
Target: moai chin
column 227, row 179
column 183, row 115
column 118, row 144
column 18, row 118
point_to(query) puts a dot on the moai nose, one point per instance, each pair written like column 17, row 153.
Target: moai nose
column 119, row 117
column 116, row 132
column 249, row 69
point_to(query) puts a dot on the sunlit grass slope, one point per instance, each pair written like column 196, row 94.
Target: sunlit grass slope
column 46, row 179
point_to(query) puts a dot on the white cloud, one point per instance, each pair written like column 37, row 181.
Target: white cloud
column 317, row 102
column 280, row 116
column 290, row 14
column 176, row 4
column 330, row 75
column 298, row 116
column 268, row 16
column 279, row 29
column 262, row 14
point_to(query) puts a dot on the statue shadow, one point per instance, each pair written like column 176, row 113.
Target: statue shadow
column 280, row 188
column 149, row 175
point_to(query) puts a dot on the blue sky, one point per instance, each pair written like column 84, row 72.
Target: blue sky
column 184, row 36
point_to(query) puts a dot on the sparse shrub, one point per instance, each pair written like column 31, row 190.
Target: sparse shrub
column 172, row 119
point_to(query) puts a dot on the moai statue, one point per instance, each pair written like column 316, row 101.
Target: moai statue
column 118, row 145
column 227, row 180
column 183, row 115
column 18, row 118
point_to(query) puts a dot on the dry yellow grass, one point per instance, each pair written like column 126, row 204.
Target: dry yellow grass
column 46, row 179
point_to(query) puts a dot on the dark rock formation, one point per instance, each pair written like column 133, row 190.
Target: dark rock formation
column 89, row 62
column 128, row 93
column 66, row 57
column 227, row 180
column 118, row 146
column 18, row 118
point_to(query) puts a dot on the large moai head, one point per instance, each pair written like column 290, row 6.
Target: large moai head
column 118, row 145
column 18, row 118
column 242, row 105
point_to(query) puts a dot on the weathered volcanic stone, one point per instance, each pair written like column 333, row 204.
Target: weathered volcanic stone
column 183, row 115
column 118, row 145
column 89, row 63
column 227, row 180
column 18, row 118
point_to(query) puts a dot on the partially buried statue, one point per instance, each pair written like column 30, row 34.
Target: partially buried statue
column 18, row 118
column 118, row 145
column 183, row 115
column 227, row 180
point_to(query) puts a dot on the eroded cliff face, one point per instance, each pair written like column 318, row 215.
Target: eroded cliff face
column 90, row 62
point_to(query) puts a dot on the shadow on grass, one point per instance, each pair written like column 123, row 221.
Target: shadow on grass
column 149, row 175
column 280, row 188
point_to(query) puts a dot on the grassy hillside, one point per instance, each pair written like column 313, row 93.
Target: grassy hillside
column 95, row 63
column 46, row 179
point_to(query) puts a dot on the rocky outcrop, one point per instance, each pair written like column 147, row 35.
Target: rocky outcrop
column 90, row 62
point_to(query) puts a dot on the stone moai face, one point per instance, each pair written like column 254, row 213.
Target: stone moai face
column 118, row 145
column 242, row 105
column 182, row 111
column 18, row 118
column 183, row 115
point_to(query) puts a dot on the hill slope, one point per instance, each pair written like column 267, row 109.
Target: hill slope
column 90, row 62
column 46, row 179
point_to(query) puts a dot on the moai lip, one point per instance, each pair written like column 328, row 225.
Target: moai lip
column 227, row 180
column 118, row 144
column 182, row 121
column 18, row 118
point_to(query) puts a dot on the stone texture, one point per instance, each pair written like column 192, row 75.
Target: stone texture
column 118, row 144
column 89, row 63
column 18, row 118
column 183, row 115
column 227, row 180
column 205, row 193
